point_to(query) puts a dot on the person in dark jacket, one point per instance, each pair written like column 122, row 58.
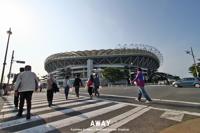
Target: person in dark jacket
column 16, row 93
column 96, row 85
column 77, row 84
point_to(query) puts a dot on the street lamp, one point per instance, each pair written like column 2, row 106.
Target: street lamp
column 4, row 63
column 195, row 64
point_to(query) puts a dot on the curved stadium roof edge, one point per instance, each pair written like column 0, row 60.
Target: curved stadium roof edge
column 104, row 52
column 147, row 57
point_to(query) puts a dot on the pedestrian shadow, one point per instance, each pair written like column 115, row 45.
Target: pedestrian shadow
column 36, row 120
column 71, row 112
column 35, row 123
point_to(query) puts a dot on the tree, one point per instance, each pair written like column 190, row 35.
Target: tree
column 192, row 70
column 113, row 74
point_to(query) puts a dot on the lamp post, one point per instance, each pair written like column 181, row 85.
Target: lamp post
column 11, row 62
column 4, row 63
column 195, row 64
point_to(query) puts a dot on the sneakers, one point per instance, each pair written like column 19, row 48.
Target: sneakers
column 148, row 101
column 138, row 100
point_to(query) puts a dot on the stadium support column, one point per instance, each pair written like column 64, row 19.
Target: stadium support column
column 89, row 67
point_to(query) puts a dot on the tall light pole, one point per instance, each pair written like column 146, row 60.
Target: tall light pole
column 4, row 63
column 11, row 62
column 195, row 64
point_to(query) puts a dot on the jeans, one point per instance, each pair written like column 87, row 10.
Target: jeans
column 66, row 92
column 141, row 91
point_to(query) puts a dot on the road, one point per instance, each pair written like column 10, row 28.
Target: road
column 187, row 99
column 114, row 111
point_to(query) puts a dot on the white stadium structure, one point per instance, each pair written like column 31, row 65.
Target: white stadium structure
column 88, row 61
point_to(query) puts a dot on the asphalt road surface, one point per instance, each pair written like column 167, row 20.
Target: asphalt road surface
column 114, row 111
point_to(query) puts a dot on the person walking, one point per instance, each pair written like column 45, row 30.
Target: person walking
column 26, row 83
column 50, row 90
column 67, row 85
column 16, row 93
column 139, row 80
column 77, row 84
column 90, row 85
column 96, row 85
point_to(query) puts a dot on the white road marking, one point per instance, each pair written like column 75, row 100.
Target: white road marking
column 36, row 104
column 11, row 114
column 48, row 115
column 185, row 112
column 69, row 121
column 124, row 121
column 114, row 120
column 43, row 100
column 173, row 115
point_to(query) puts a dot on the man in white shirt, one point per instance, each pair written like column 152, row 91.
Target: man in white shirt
column 26, row 83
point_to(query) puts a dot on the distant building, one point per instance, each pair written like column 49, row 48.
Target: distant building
column 86, row 62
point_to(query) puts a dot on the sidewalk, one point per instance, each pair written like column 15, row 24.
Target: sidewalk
column 190, row 126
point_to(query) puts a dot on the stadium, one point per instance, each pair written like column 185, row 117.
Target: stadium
column 87, row 62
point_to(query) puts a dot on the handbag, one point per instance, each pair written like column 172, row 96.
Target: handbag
column 55, row 87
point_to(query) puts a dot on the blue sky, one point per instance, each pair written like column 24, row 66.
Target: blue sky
column 44, row 27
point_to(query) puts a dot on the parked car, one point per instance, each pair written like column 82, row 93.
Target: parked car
column 195, row 82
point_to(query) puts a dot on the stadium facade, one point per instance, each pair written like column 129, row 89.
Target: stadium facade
column 88, row 61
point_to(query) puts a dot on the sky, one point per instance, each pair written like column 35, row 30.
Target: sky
column 41, row 28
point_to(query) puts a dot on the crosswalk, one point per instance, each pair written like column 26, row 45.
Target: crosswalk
column 73, row 115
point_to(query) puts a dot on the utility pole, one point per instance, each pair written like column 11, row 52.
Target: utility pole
column 4, row 63
column 11, row 62
column 195, row 64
